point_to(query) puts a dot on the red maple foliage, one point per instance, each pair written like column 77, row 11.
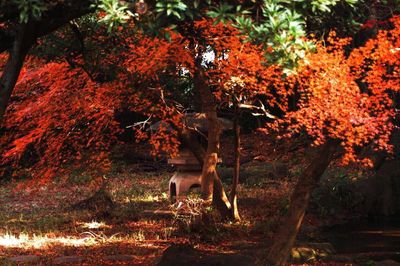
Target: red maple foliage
column 349, row 98
column 60, row 112
column 241, row 70
column 234, row 68
column 57, row 114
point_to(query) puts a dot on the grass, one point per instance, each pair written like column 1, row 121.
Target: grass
column 43, row 222
column 131, row 226
column 256, row 174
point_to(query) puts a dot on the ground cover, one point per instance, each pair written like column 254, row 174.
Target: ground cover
column 55, row 224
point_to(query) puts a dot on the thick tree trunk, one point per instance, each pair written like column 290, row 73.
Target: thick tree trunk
column 287, row 232
column 220, row 200
column 210, row 110
column 211, row 186
column 18, row 44
column 219, row 197
column 236, row 169
column 23, row 42
column 57, row 15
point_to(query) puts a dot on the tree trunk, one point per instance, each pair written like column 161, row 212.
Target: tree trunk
column 57, row 15
column 220, row 199
column 210, row 110
column 236, row 169
column 308, row 180
column 23, row 42
column 211, row 186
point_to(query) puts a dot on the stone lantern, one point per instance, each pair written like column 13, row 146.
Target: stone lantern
column 187, row 175
column 188, row 170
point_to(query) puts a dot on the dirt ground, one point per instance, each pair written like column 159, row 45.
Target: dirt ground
column 42, row 224
column 141, row 223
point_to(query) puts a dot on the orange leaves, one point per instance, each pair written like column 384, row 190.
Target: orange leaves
column 59, row 113
column 347, row 97
column 164, row 140
column 19, row 145
column 239, row 68
column 148, row 56
column 377, row 63
column 232, row 67
column 3, row 59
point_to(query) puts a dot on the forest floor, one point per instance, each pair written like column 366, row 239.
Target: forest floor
column 137, row 228
column 43, row 225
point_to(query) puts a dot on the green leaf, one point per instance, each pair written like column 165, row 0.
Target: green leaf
column 167, row 36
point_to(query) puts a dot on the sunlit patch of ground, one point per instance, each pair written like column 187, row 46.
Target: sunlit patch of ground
column 25, row 241
column 42, row 221
column 85, row 239
column 93, row 225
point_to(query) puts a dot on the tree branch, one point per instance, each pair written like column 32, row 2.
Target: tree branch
column 52, row 19
column 23, row 42
column 19, row 45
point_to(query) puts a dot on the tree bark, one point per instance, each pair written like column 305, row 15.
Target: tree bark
column 211, row 185
column 210, row 110
column 23, row 42
column 19, row 40
column 220, row 200
column 236, row 169
column 307, row 182
column 57, row 14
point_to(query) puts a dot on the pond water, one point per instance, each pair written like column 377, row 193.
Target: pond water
column 380, row 237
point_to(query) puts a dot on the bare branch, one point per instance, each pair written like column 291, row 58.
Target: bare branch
column 260, row 109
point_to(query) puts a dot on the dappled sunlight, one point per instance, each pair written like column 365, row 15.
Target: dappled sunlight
column 371, row 232
column 93, row 225
column 146, row 198
column 25, row 241
column 85, row 239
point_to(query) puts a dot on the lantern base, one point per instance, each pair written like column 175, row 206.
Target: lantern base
column 181, row 183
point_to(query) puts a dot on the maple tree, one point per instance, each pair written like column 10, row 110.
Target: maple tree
column 142, row 82
column 22, row 23
column 60, row 109
column 59, row 113
column 346, row 102
column 63, row 110
column 237, row 71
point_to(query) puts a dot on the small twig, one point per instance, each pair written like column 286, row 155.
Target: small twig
column 198, row 131
column 142, row 123
column 261, row 109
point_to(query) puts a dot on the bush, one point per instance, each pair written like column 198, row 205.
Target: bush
column 337, row 193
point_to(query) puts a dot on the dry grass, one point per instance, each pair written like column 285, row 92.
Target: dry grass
column 42, row 222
